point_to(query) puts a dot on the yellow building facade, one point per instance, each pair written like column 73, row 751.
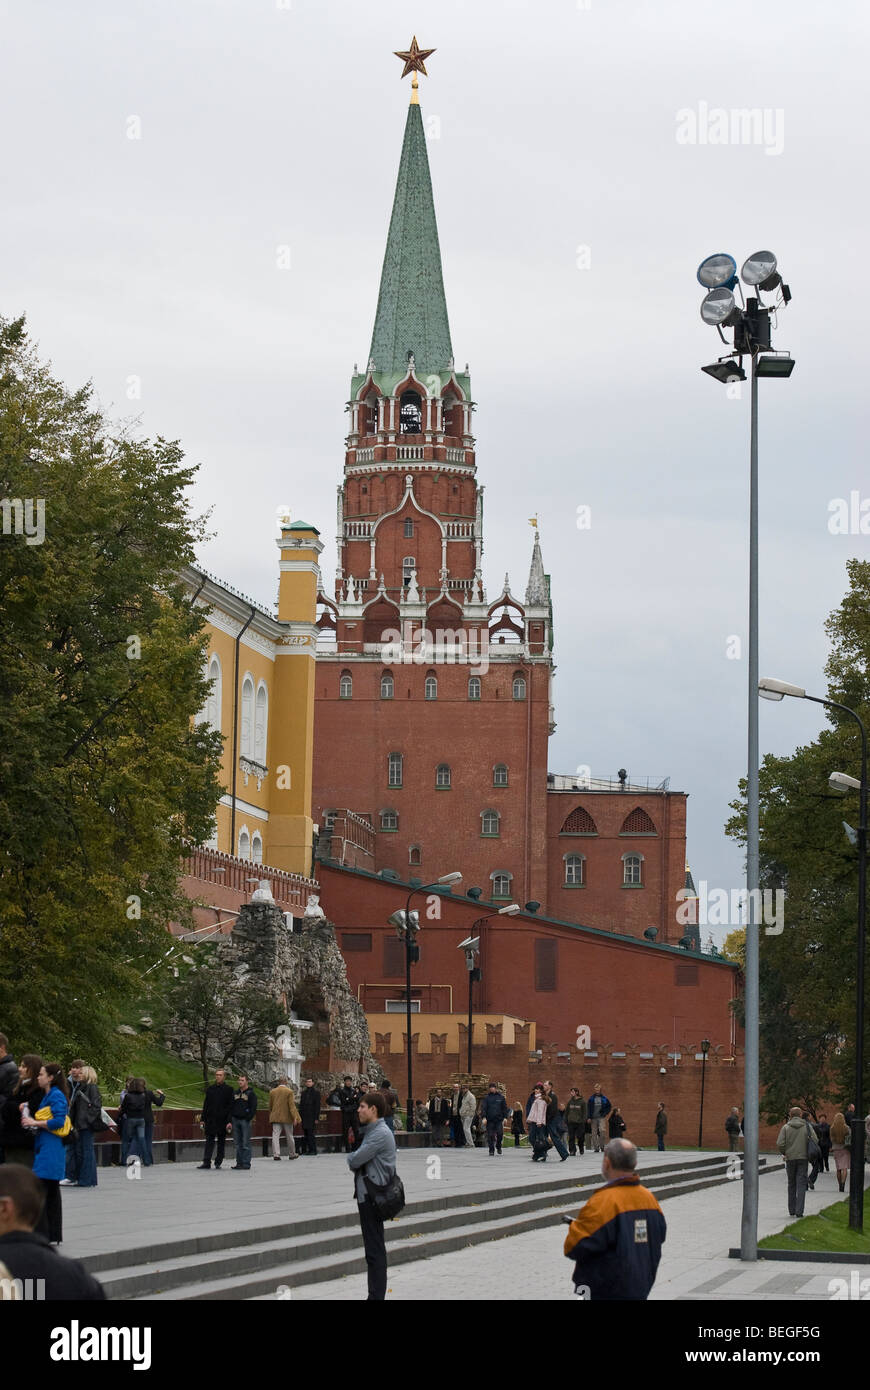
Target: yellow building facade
column 261, row 668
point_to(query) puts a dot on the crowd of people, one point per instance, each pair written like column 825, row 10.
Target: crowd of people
column 49, row 1117
column 457, row 1119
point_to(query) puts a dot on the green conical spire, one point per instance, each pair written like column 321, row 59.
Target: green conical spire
column 412, row 310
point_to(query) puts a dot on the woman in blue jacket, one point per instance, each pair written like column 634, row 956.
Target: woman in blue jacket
column 49, row 1159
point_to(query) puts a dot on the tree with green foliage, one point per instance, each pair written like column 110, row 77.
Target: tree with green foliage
column 808, row 973
column 734, row 946
column 105, row 776
column 226, row 1016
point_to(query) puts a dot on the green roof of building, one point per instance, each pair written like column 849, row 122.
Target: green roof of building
column 412, row 310
column 301, row 526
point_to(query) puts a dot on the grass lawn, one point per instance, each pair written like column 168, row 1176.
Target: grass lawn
column 828, row 1230
column 182, row 1081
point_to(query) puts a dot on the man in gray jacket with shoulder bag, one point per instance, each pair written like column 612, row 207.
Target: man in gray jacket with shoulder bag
column 796, row 1142
column 375, row 1159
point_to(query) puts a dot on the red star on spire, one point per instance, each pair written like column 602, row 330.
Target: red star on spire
column 414, row 59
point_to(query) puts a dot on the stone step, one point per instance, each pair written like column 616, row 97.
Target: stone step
column 430, row 1238
column 315, row 1254
column 292, row 1230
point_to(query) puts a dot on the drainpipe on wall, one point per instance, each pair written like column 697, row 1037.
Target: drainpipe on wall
column 239, row 637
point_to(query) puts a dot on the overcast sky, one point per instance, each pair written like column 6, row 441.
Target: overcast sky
column 265, row 125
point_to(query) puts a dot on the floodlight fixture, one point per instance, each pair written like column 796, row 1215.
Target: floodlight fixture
column 725, row 370
column 450, row 878
column 760, row 270
column 772, row 689
column 842, row 782
column 774, row 364
column 510, row 910
column 716, row 270
column 471, row 943
column 719, row 309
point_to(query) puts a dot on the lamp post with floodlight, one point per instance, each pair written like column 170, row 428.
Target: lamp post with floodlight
column 407, row 924
column 751, row 324
column 776, row 690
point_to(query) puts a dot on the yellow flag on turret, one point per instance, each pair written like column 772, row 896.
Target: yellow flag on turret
column 533, row 521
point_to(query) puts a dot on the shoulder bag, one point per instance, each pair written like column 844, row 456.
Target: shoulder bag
column 387, row 1198
column 814, row 1153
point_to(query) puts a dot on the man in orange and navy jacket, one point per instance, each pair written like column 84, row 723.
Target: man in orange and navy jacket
column 616, row 1239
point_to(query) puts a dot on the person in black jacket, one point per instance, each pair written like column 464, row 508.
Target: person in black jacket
column 152, row 1098
column 18, row 1142
column 26, row 1255
column 85, row 1106
column 615, row 1123
column 309, row 1112
column 494, row 1110
column 439, row 1117
column 8, row 1081
column 242, row 1114
column 823, row 1129
column 132, row 1112
column 348, row 1099
column 216, row 1124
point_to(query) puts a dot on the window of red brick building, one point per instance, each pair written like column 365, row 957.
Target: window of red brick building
column 546, row 964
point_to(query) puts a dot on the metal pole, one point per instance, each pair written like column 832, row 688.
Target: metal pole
column 701, row 1118
column 856, row 1176
column 749, row 1215
column 410, row 1097
column 470, row 988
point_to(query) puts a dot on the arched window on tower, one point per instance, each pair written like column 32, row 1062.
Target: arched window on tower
column 410, row 413
column 261, row 724
column 257, row 848
column 501, row 884
column 489, row 823
column 579, row 822
column 371, row 414
column 387, row 686
column 389, row 820
column 244, row 843
column 637, row 822
column 474, row 688
column 431, row 686
column 632, row 871
column 519, row 687
column 574, row 870
column 394, row 770
column 442, row 775
column 415, row 855
column 345, row 686
column 247, row 743
column 500, row 775
column 409, row 527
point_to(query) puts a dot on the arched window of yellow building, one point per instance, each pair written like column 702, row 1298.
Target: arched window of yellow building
column 247, row 748
column 260, row 723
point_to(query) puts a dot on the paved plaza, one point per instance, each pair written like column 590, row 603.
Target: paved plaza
column 177, row 1201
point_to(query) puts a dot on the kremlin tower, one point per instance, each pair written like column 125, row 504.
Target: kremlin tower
column 433, row 708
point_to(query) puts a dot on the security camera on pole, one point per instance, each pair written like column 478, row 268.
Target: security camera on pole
column 750, row 321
